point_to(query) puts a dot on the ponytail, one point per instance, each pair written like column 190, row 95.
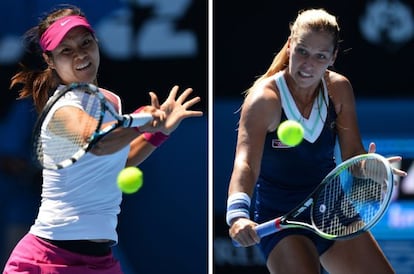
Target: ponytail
column 280, row 62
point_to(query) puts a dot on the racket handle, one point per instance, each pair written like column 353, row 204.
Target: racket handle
column 268, row 228
column 136, row 119
column 264, row 229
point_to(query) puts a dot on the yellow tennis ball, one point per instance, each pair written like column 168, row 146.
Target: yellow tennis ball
column 290, row 133
column 130, row 179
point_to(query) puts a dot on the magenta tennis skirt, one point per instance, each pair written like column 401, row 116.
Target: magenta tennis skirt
column 35, row 256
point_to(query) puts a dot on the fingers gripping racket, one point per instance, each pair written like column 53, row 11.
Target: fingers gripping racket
column 71, row 124
column 351, row 199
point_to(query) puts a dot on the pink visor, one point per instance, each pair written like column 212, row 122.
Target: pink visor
column 55, row 33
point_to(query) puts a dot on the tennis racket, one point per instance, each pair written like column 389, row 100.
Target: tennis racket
column 351, row 199
column 71, row 124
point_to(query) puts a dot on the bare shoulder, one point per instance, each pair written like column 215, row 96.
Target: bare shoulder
column 336, row 81
column 263, row 94
column 339, row 87
column 263, row 100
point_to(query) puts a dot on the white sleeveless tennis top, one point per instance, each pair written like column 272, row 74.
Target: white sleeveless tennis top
column 82, row 201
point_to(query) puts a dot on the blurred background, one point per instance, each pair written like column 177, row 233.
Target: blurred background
column 145, row 46
column 153, row 44
column 376, row 55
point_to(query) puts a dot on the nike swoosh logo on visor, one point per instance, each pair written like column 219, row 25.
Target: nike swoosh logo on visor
column 64, row 22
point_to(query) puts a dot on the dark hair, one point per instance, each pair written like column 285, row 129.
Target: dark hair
column 36, row 78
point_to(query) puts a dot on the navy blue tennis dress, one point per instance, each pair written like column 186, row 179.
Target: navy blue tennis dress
column 289, row 174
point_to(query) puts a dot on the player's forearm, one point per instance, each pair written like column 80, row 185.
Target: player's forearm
column 114, row 141
column 139, row 151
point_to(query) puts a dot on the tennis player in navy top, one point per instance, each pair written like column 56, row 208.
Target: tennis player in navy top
column 299, row 85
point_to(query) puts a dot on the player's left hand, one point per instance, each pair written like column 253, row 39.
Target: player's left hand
column 176, row 109
column 392, row 160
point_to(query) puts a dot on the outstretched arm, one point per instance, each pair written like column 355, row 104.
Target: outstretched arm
column 176, row 110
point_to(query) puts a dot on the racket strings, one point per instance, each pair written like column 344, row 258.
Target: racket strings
column 63, row 137
column 351, row 200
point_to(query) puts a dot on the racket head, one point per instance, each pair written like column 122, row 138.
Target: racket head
column 60, row 139
column 353, row 197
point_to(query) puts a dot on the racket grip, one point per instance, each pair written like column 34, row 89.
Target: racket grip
column 264, row 229
column 236, row 244
column 267, row 228
column 136, row 119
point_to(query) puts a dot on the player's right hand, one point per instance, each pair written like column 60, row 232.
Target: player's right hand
column 242, row 231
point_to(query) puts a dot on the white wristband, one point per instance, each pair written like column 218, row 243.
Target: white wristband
column 238, row 206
